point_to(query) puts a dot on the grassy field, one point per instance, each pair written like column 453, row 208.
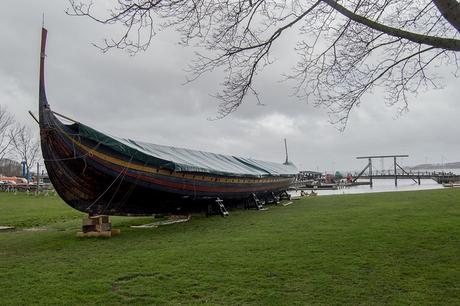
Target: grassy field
column 388, row 248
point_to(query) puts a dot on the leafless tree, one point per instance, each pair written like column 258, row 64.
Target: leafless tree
column 25, row 146
column 6, row 137
column 345, row 48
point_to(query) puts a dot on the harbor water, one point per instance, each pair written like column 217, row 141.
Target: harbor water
column 380, row 185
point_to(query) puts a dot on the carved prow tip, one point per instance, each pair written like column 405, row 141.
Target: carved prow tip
column 42, row 57
column 43, row 102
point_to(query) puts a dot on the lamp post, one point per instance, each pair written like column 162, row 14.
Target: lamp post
column 38, row 178
column 23, row 164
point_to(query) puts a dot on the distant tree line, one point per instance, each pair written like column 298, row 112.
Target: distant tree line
column 17, row 143
column 437, row 166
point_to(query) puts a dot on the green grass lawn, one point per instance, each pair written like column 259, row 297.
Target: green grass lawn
column 387, row 248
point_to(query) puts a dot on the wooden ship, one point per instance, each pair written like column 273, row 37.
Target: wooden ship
column 105, row 175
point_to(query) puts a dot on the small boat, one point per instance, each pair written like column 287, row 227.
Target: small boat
column 105, row 175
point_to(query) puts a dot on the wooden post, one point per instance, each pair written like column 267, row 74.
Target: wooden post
column 370, row 173
column 396, row 173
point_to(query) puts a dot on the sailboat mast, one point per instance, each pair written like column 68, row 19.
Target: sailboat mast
column 285, row 146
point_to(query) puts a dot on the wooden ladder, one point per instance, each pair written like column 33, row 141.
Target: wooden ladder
column 223, row 210
column 276, row 199
column 257, row 202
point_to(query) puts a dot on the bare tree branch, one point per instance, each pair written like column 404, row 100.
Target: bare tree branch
column 345, row 48
column 438, row 42
column 6, row 137
column 25, row 146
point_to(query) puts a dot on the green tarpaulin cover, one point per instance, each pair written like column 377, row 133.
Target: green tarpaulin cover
column 186, row 160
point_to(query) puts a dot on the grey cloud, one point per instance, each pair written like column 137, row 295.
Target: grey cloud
column 143, row 97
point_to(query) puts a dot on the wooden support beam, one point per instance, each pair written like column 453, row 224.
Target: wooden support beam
column 409, row 175
column 370, row 173
column 396, row 173
column 361, row 173
column 381, row 156
column 97, row 226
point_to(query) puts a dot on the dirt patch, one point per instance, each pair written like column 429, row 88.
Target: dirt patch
column 36, row 229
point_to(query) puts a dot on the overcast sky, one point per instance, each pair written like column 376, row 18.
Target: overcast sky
column 143, row 97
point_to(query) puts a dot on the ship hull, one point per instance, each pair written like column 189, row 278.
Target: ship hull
column 96, row 178
column 102, row 181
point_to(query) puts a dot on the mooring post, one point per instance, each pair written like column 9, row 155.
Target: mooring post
column 396, row 173
column 370, row 172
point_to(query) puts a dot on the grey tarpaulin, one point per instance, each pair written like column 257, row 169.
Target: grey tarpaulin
column 187, row 160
